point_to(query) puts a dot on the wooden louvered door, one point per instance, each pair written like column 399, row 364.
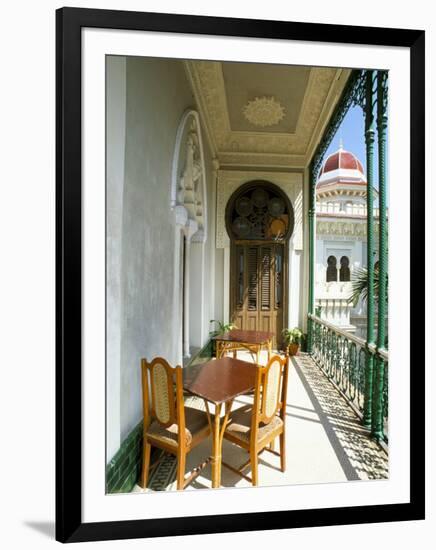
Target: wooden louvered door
column 257, row 287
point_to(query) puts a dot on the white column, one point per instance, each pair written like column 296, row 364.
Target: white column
column 212, row 242
column 190, row 228
column 304, row 288
column 197, row 281
column 226, row 286
column 180, row 218
column 186, row 299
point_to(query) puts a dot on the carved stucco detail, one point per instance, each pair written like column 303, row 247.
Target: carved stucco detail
column 190, row 190
column 229, row 181
column 261, row 160
column 187, row 195
column 264, row 111
column 342, row 228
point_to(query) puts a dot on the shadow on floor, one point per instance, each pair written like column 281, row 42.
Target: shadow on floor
column 46, row 528
column 351, row 442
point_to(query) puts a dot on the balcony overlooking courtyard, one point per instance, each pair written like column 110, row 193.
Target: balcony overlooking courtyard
column 264, row 234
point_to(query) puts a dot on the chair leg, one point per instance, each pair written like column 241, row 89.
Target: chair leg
column 254, row 466
column 181, row 464
column 282, row 452
column 145, row 464
column 271, row 444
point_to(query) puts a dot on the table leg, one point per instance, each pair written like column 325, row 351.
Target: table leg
column 216, row 451
column 217, row 441
column 269, row 349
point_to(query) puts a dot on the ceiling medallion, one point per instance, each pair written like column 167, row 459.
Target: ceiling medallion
column 264, row 111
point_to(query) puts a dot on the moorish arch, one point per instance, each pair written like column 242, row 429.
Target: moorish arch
column 188, row 203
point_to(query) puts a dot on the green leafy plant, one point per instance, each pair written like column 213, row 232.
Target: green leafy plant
column 292, row 335
column 359, row 285
column 221, row 328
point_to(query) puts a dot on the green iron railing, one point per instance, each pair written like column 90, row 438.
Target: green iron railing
column 384, row 358
column 342, row 357
column 358, row 368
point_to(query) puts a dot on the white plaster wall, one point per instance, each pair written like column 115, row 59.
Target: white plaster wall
column 157, row 95
column 305, row 254
column 146, row 100
column 116, row 136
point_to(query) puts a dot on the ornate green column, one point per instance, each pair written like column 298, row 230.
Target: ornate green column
column 312, row 235
column 382, row 123
column 369, row 140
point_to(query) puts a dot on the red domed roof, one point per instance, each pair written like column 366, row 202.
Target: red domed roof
column 341, row 160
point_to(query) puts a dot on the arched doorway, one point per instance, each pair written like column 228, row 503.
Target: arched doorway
column 259, row 221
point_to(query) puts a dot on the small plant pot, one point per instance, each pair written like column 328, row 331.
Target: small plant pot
column 293, row 349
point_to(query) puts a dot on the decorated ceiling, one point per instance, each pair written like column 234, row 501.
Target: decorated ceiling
column 264, row 115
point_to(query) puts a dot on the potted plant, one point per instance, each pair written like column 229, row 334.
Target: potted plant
column 221, row 328
column 292, row 339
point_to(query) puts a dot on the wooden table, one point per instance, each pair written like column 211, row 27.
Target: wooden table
column 219, row 382
column 234, row 340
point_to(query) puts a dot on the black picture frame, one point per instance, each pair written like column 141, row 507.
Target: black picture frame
column 69, row 22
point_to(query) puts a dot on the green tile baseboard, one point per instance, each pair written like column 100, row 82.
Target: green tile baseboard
column 123, row 470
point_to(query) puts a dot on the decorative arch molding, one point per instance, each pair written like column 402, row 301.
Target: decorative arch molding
column 188, row 176
column 188, row 201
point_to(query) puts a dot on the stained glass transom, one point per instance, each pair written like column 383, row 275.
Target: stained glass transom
column 259, row 213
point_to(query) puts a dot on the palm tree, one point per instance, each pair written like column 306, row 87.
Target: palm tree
column 359, row 285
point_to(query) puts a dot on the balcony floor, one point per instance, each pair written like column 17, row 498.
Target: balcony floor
column 325, row 441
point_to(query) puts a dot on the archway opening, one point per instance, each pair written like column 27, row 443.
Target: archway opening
column 259, row 222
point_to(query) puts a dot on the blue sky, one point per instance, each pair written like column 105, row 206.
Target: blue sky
column 352, row 132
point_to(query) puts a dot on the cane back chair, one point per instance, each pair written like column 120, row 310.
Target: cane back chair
column 254, row 427
column 168, row 423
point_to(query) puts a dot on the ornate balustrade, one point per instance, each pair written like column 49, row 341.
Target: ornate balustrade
column 342, row 357
column 343, row 208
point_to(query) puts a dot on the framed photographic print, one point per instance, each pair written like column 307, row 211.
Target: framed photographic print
column 240, row 248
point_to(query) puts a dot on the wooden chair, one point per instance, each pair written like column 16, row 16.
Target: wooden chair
column 255, row 427
column 168, row 424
